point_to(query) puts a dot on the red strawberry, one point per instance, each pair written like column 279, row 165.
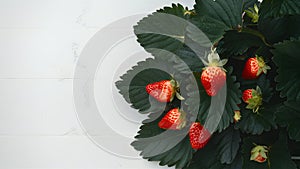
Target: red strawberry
column 260, row 159
column 247, row 94
column 174, row 120
column 164, row 91
column 213, row 79
column 213, row 76
column 253, row 98
column 199, row 136
column 254, row 67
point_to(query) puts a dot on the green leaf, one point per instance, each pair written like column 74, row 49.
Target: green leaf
column 206, row 159
column 279, row 29
column 164, row 29
column 179, row 156
column 212, row 28
column 229, row 12
column 256, row 123
column 277, row 8
column 176, row 9
column 280, row 157
column 216, row 117
column 150, row 126
column 293, row 29
column 236, row 164
column 265, row 86
column 228, row 143
column 190, row 58
column 279, row 20
column 237, row 43
column 171, row 148
column 286, row 57
column 289, row 115
column 216, row 17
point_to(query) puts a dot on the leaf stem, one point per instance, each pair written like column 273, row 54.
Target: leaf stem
column 256, row 33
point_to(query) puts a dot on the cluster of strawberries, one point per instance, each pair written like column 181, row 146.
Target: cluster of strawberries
column 175, row 119
column 213, row 78
column 254, row 67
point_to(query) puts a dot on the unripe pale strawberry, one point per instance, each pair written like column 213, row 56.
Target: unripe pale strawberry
column 259, row 154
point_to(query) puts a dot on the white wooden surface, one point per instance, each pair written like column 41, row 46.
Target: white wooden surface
column 40, row 41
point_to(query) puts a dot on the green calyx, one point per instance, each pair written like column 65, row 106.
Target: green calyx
column 214, row 60
column 182, row 120
column 263, row 67
column 176, row 86
column 189, row 12
column 256, row 101
column 253, row 13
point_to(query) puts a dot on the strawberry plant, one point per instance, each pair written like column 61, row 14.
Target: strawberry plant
column 222, row 90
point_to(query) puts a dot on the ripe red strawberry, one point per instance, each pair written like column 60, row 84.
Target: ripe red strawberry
column 174, row 120
column 164, row 91
column 254, row 67
column 247, row 94
column 213, row 79
column 253, row 98
column 199, row 136
column 213, row 76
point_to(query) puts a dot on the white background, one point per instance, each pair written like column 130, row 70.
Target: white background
column 40, row 42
